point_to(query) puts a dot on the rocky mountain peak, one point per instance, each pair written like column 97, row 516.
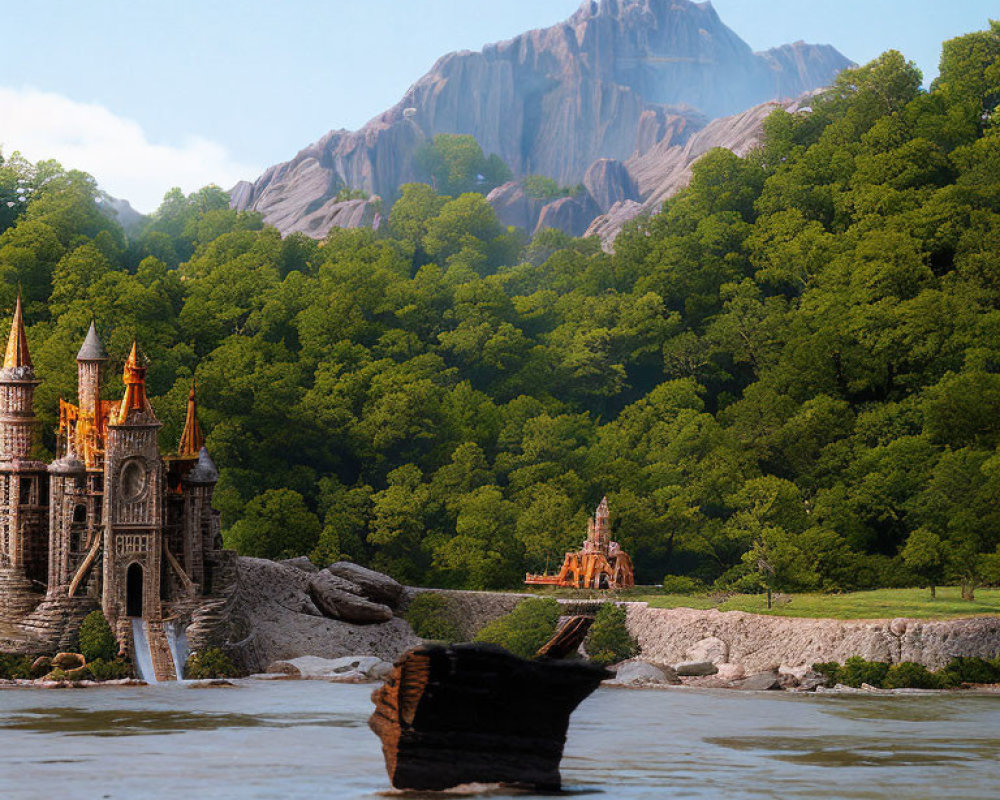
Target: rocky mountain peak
column 614, row 81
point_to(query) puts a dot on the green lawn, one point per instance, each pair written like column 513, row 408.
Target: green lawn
column 878, row 604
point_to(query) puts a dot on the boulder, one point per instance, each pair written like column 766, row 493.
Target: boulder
column 695, row 668
column 68, row 661
column 329, row 595
column 642, row 673
column 302, row 562
column 363, row 667
column 761, row 682
column 731, row 672
column 710, row 649
column 374, row 585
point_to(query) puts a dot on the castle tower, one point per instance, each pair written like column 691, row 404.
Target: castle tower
column 17, row 394
column 201, row 522
column 133, row 505
column 89, row 362
column 23, row 482
column 71, row 525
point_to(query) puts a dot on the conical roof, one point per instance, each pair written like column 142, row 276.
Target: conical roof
column 17, row 354
column 204, row 471
column 92, row 348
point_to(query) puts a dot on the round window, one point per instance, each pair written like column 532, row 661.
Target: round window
column 133, row 480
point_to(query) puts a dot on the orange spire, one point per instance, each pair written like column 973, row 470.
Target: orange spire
column 134, row 376
column 17, row 345
column 192, row 439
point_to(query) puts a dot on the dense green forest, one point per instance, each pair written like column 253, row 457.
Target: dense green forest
column 790, row 376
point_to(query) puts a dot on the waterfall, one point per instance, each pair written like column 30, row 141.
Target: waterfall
column 179, row 651
column 143, row 655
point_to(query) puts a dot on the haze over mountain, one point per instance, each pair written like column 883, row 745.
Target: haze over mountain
column 618, row 80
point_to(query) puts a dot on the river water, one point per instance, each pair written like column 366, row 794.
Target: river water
column 309, row 739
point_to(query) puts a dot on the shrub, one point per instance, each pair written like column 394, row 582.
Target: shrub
column 609, row 640
column 14, row 666
column 906, row 675
column 909, row 675
column 429, row 617
column 102, row 670
column 97, row 642
column 211, row 663
column 682, row 584
column 854, row 672
column 525, row 629
column 973, row 670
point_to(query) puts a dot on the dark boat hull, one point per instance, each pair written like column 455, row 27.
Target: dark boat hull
column 477, row 714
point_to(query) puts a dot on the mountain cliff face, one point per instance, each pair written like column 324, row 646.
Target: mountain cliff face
column 613, row 81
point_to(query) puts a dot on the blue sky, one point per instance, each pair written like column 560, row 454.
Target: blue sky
column 147, row 95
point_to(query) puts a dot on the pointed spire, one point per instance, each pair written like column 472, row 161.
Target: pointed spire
column 132, row 362
column 192, row 438
column 92, row 348
column 17, row 345
column 134, row 377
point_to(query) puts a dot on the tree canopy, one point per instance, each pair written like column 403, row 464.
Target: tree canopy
column 789, row 378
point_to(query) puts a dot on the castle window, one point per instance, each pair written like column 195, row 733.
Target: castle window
column 27, row 491
column 80, row 513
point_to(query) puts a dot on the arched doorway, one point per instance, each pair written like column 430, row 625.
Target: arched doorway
column 133, row 590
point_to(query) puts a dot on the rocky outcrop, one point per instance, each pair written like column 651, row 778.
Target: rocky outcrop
column 336, row 599
column 373, row 585
column 571, row 215
column 272, row 615
column 612, row 82
column 608, row 182
column 665, row 168
column 513, row 206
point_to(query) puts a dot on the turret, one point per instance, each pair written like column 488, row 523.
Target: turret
column 89, row 362
column 17, row 393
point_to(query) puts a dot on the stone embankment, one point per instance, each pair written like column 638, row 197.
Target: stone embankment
column 758, row 643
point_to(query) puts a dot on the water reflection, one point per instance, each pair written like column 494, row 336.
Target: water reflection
column 74, row 721
column 310, row 739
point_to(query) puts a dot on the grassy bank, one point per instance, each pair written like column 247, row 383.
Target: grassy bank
column 877, row 604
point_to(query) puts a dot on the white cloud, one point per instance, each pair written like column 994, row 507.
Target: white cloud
column 115, row 150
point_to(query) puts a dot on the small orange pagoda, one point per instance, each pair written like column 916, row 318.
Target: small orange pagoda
column 602, row 564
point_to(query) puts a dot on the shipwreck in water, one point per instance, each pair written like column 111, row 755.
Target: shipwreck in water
column 475, row 713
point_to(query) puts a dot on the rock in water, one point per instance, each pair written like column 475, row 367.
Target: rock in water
column 477, row 714
column 695, row 668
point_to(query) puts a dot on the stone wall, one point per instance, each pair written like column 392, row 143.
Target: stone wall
column 760, row 642
column 471, row 611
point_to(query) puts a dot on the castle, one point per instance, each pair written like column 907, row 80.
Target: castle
column 601, row 564
column 110, row 523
